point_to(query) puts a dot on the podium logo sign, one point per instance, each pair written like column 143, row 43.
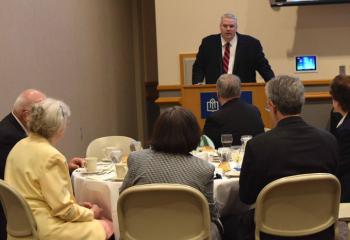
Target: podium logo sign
column 209, row 102
column 212, row 105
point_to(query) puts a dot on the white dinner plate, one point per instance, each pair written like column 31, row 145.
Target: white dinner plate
column 106, row 160
column 232, row 173
column 83, row 171
column 115, row 179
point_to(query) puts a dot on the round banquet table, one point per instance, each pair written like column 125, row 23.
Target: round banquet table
column 103, row 189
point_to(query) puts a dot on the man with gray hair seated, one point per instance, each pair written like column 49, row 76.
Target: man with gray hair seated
column 235, row 117
column 292, row 147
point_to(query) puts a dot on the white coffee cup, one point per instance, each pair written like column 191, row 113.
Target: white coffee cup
column 91, row 164
column 121, row 170
column 107, row 151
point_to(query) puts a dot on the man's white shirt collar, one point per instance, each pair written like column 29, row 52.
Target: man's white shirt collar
column 19, row 122
column 342, row 120
column 233, row 42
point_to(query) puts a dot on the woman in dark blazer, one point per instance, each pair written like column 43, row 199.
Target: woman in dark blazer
column 340, row 91
column 175, row 135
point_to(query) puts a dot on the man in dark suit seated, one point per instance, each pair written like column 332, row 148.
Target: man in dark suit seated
column 292, row 147
column 13, row 128
column 230, row 52
column 235, row 117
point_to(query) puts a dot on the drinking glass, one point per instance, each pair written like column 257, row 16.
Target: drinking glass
column 226, row 140
column 244, row 140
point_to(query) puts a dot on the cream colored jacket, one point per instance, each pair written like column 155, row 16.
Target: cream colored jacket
column 40, row 173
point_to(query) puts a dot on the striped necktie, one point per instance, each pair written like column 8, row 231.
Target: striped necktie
column 226, row 58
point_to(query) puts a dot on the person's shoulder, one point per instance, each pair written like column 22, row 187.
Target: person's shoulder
column 7, row 123
column 201, row 164
column 246, row 38
column 248, row 105
column 5, row 119
column 246, row 108
column 215, row 115
column 265, row 138
column 324, row 134
column 211, row 38
column 141, row 156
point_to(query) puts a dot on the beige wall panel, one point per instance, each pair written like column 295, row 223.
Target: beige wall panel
column 79, row 51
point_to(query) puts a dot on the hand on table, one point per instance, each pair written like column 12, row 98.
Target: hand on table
column 75, row 163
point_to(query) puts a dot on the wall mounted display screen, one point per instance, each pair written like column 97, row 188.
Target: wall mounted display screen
column 282, row 3
column 305, row 63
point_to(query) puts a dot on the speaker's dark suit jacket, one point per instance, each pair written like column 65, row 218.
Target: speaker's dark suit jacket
column 249, row 58
column 342, row 133
column 235, row 117
column 293, row 147
column 10, row 133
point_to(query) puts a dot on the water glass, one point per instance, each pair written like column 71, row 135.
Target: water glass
column 244, row 140
column 226, row 140
column 224, row 154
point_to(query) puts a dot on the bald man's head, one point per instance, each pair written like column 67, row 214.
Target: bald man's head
column 24, row 103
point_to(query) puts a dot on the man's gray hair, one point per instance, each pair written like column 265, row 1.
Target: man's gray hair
column 228, row 15
column 228, row 86
column 287, row 93
column 48, row 117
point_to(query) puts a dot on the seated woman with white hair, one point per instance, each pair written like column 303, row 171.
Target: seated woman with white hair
column 39, row 172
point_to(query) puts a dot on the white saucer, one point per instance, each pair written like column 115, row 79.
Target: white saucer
column 232, row 173
column 115, row 179
column 83, row 171
column 106, row 160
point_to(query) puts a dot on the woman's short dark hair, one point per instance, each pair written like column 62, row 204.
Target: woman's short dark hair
column 340, row 91
column 176, row 131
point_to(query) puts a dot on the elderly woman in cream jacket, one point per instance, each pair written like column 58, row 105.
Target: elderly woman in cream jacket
column 39, row 172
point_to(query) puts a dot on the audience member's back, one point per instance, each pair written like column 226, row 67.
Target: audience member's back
column 292, row 147
column 235, row 117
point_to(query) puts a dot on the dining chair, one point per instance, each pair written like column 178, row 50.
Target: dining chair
column 20, row 221
column 97, row 146
column 163, row 211
column 298, row 205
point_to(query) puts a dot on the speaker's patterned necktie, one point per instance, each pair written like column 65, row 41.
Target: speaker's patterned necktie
column 226, row 58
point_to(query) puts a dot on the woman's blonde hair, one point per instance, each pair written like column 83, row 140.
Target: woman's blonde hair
column 48, row 117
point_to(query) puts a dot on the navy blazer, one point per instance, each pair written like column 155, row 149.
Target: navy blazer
column 236, row 117
column 10, row 133
column 342, row 133
column 292, row 148
column 249, row 58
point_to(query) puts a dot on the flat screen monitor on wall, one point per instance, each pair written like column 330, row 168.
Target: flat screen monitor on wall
column 284, row 3
column 305, row 64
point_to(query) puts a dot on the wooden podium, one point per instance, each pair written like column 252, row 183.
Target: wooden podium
column 191, row 99
column 188, row 95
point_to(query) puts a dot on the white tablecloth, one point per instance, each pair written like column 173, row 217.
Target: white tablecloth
column 106, row 193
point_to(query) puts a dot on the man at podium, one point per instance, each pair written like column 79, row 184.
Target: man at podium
column 230, row 52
